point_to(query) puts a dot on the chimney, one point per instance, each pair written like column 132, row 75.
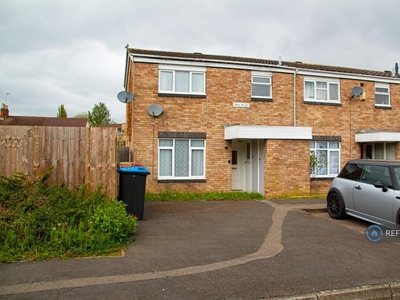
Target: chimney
column 396, row 68
column 3, row 111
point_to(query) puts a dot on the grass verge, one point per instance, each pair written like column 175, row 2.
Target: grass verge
column 206, row 196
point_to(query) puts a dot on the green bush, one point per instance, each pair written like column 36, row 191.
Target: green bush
column 39, row 221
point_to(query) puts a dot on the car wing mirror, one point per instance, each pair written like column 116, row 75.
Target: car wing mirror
column 380, row 185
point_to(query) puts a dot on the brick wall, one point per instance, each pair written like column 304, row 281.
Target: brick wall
column 225, row 86
column 287, row 168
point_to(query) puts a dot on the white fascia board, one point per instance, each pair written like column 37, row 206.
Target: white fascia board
column 348, row 76
column 263, row 67
column 216, row 64
column 268, row 132
column 382, row 136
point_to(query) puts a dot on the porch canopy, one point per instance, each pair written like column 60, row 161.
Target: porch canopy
column 267, row 132
column 378, row 136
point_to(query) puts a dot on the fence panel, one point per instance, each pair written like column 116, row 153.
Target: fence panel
column 124, row 154
column 79, row 154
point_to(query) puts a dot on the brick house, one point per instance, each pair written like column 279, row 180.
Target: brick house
column 274, row 127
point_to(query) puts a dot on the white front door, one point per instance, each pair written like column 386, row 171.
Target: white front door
column 236, row 182
column 248, row 168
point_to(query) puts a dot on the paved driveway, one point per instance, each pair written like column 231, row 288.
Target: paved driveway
column 218, row 250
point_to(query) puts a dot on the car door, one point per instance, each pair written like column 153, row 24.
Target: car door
column 374, row 203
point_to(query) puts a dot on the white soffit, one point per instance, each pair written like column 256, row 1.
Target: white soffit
column 268, row 132
column 382, row 136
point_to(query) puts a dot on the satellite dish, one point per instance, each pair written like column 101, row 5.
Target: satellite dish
column 125, row 96
column 357, row 91
column 155, row 110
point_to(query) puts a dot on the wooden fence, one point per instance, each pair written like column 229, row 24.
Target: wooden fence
column 79, row 155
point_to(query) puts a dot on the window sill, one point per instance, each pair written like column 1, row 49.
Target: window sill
column 383, row 106
column 323, row 103
column 181, row 181
column 261, row 99
column 181, row 95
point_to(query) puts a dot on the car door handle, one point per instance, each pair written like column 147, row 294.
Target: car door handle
column 357, row 187
column 397, row 197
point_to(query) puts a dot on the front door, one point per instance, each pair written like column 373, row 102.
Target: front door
column 248, row 168
column 236, row 182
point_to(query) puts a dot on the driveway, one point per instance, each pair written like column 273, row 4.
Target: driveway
column 219, row 250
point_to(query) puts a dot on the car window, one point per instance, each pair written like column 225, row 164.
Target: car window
column 372, row 174
column 397, row 174
column 351, row 171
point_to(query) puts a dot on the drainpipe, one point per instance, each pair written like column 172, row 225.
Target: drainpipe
column 294, row 97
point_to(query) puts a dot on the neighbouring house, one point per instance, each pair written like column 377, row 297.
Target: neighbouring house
column 203, row 122
column 7, row 120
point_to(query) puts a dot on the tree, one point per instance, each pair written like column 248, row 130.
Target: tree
column 62, row 113
column 81, row 115
column 100, row 115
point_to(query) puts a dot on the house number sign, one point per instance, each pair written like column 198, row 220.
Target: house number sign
column 241, row 104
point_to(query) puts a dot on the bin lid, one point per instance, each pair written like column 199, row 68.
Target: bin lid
column 133, row 169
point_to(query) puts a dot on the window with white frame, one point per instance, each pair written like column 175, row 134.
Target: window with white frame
column 321, row 90
column 324, row 158
column 261, row 86
column 382, row 95
column 385, row 151
column 181, row 158
column 182, row 80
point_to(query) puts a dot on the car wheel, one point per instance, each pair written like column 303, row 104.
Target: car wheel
column 335, row 205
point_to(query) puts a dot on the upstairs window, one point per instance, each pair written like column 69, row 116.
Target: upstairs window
column 261, row 87
column 382, row 95
column 182, row 81
column 321, row 90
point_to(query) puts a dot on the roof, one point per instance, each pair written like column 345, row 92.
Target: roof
column 196, row 56
column 43, row 121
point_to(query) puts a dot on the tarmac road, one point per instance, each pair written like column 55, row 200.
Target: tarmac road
column 223, row 250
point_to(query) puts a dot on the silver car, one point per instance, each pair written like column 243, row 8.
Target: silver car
column 367, row 189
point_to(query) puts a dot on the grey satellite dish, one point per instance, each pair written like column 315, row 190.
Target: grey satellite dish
column 357, row 91
column 125, row 96
column 155, row 110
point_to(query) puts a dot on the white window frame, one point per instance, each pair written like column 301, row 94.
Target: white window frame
column 382, row 86
column 172, row 148
column 313, row 150
column 329, row 82
column 190, row 70
column 263, row 76
column 374, row 150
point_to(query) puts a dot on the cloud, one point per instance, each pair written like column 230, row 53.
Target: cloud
column 72, row 52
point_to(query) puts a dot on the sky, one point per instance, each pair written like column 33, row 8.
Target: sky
column 55, row 52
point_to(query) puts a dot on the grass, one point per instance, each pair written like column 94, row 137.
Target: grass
column 206, row 196
column 218, row 196
column 39, row 221
column 312, row 196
